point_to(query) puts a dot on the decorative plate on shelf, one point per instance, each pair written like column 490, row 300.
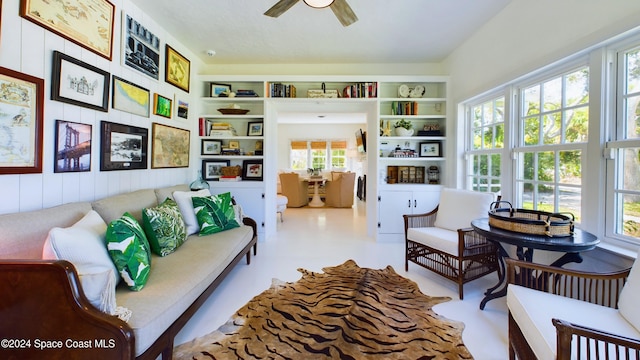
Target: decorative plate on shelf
column 403, row 91
column 231, row 111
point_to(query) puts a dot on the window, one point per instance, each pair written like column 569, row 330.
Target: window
column 553, row 120
column 487, row 141
column 318, row 154
column 624, row 149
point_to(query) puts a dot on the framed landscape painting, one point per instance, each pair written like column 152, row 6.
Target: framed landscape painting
column 212, row 169
column 93, row 30
column 22, row 116
column 169, row 147
column 122, row 147
column 73, row 147
column 78, row 83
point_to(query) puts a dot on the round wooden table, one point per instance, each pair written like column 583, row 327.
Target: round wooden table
column 571, row 246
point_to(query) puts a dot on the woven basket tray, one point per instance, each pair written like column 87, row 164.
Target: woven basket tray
column 531, row 222
column 231, row 170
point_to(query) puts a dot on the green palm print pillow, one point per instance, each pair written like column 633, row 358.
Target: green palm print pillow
column 164, row 227
column 129, row 250
column 215, row 213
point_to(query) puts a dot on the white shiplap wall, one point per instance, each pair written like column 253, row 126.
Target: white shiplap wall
column 27, row 48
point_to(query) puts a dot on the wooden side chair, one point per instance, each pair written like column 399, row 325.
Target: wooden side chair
column 444, row 242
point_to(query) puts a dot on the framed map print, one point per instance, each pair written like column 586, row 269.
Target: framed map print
column 21, row 117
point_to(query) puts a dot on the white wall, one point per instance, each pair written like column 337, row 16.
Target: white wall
column 27, row 48
column 528, row 35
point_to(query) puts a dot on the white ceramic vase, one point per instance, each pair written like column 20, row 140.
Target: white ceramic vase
column 400, row 131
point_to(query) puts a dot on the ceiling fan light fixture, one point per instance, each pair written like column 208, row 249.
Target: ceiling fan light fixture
column 318, row 4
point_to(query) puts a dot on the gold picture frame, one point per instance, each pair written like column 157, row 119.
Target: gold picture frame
column 169, row 147
column 93, row 30
column 22, row 111
column 178, row 69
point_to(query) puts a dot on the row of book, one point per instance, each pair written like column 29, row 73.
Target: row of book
column 277, row 90
column 361, row 90
column 207, row 127
column 404, row 108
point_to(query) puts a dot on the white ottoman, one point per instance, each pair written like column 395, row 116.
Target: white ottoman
column 281, row 205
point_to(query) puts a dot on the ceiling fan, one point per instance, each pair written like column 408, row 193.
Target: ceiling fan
column 340, row 8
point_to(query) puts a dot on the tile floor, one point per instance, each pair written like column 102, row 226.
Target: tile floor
column 313, row 238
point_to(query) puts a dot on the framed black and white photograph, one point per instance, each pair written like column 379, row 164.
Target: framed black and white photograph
column 212, row 169
column 122, row 147
column 252, row 170
column 254, row 129
column 430, row 149
column 78, row 83
column 217, row 89
column 140, row 47
column 210, row 147
column 72, row 147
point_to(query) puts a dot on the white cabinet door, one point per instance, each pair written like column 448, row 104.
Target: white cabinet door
column 250, row 198
column 425, row 201
column 392, row 205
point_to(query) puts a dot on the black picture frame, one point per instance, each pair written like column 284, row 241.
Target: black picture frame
column 430, row 149
column 252, row 170
column 255, row 128
column 211, row 169
column 72, row 147
column 216, row 89
column 78, row 83
column 210, row 147
column 123, row 147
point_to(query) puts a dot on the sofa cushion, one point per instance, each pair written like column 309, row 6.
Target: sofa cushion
column 628, row 297
column 437, row 238
column 22, row 236
column 112, row 207
column 168, row 293
column 215, row 213
column 129, row 249
column 183, row 199
column 83, row 244
column 457, row 208
column 533, row 310
column 164, row 227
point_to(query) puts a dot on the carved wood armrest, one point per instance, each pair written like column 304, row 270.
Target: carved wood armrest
column 597, row 288
column 613, row 344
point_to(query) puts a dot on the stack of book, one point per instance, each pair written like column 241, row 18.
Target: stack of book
column 221, row 129
column 230, row 178
column 246, row 93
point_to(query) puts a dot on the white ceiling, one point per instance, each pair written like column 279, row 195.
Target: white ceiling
column 388, row 31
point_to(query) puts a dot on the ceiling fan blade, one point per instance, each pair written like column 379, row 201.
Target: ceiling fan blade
column 280, row 7
column 343, row 12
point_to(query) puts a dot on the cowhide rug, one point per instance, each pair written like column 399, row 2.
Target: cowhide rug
column 347, row 312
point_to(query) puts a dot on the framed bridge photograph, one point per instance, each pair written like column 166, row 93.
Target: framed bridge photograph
column 73, row 147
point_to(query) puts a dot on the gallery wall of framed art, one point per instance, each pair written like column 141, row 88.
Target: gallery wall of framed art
column 57, row 89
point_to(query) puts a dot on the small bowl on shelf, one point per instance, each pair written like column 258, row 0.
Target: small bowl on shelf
column 232, row 111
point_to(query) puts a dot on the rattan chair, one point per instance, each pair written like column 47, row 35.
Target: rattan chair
column 599, row 296
column 444, row 242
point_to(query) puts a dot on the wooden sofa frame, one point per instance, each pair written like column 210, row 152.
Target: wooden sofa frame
column 478, row 258
column 597, row 288
column 34, row 290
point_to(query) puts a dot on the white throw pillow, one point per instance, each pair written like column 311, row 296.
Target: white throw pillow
column 183, row 199
column 458, row 208
column 627, row 303
column 83, row 244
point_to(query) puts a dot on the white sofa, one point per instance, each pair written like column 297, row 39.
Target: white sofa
column 559, row 303
column 46, row 299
